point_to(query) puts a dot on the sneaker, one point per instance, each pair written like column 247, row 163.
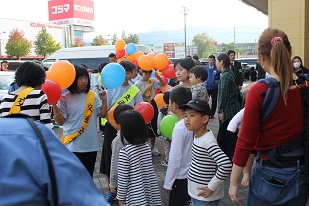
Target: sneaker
column 110, row 197
column 164, row 163
column 155, row 152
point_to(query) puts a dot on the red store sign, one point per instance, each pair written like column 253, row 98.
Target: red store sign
column 64, row 9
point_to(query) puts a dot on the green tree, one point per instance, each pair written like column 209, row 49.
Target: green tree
column 231, row 46
column 17, row 45
column 115, row 37
column 131, row 38
column 78, row 42
column 205, row 45
column 99, row 41
column 45, row 44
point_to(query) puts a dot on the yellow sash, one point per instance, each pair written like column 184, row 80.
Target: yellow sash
column 128, row 96
column 103, row 120
column 19, row 101
column 149, row 92
column 89, row 107
column 98, row 75
column 125, row 99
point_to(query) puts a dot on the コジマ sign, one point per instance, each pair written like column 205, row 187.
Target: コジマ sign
column 65, row 9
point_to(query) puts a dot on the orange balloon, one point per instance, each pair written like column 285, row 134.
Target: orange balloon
column 145, row 63
column 152, row 55
column 160, row 61
column 159, row 100
column 120, row 60
column 63, row 73
column 120, row 44
column 130, row 57
column 111, row 119
column 165, row 88
column 138, row 54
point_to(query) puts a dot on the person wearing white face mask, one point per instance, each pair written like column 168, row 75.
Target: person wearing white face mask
column 298, row 66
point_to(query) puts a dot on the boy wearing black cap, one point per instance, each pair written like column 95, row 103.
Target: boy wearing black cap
column 209, row 166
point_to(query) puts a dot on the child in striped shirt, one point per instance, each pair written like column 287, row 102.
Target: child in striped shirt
column 137, row 183
column 210, row 166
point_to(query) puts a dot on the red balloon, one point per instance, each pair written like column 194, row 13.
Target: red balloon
column 169, row 71
column 165, row 80
column 135, row 62
column 169, row 62
column 120, row 53
column 52, row 90
column 157, row 91
column 146, row 111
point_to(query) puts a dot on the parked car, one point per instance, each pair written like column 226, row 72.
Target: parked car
column 6, row 78
column 173, row 60
column 251, row 62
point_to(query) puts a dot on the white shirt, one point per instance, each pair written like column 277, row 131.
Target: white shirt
column 236, row 121
column 180, row 155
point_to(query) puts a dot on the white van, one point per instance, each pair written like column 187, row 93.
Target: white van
column 91, row 56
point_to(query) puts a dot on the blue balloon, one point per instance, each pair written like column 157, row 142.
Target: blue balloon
column 113, row 75
column 130, row 48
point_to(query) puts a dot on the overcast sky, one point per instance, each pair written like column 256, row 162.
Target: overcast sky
column 141, row 16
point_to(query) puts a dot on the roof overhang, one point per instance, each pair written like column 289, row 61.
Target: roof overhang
column 261, row 5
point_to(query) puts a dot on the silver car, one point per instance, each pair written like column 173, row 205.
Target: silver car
column 6, row 78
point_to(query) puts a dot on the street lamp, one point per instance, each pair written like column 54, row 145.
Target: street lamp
column 185, row 9
column 1, row 42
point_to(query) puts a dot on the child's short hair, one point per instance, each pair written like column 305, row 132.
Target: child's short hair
column 127, row 65
column 132, row 127
column 119, row 109
column 199, row 72
column 29, row 74
column 166, row 97
column 199, row 105
column 181, row 95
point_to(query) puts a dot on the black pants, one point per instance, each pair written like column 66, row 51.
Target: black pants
column 88, row 160
column 152, row 127
column 109, row 135
column 213, row 93
column 227, row 140
column 179, row 194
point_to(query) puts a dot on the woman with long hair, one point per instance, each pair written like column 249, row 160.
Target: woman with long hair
column 278, row 177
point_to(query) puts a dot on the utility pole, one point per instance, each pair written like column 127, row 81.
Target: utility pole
column 234, row 40
column 184, row 11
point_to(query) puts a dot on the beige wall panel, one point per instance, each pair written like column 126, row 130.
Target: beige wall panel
column 285, row 9
column 291, row 27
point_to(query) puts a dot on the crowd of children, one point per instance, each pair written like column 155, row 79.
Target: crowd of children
column 197, row 163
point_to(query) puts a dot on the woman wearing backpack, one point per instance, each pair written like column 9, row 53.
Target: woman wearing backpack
column 278, row 177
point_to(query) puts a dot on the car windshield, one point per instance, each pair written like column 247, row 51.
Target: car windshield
column 5, row 81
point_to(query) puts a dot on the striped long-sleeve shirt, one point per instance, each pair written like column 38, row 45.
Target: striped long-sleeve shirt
column 137, row 183
column 209, row 167
column 35, row 106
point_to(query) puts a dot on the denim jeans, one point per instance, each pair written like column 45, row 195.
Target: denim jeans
column 277, row 186
column 195, row 202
